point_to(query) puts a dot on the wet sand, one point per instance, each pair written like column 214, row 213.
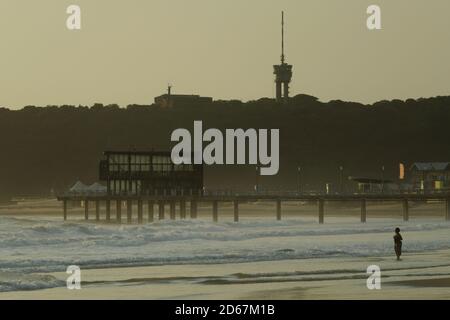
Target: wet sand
column 334, row 278
column 426, row 283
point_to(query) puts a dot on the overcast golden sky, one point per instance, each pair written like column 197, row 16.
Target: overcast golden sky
column 128, row 50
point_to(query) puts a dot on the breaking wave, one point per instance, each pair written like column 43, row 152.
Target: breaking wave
column 35, row 245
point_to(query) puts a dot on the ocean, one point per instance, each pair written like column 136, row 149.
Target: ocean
column 32, row 246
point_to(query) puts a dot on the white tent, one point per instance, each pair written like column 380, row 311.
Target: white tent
column 97, row 188
column 79, row 187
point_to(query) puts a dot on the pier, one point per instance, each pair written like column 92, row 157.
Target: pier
column 148, row 181
column 180, row 201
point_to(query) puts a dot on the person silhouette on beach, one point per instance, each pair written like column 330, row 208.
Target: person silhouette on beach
column 398, row 243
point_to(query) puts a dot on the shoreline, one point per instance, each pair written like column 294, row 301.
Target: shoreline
column 319, row 278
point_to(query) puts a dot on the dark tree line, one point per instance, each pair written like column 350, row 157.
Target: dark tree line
column 51, row 147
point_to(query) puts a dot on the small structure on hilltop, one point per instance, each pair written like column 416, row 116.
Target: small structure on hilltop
column 170, row 100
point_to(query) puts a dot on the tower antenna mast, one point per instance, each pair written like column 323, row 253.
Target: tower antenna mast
column 283, row 71
column 282, row 37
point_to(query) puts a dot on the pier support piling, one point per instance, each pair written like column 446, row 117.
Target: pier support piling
column 405, row 210
column 183, row 209
column 86, row 209
column 193, row 209
column 108, row 210
column 65, row 209
column 236, row 210
column 447, row 209
column 150, row 210
column 161, row 210
column 363, row 210
column 119, row 211
column 321, row 211
column 278, row 209
column 172, row 210
column 215, row 206
column 129, row 210
column 97, row 210
column 140, row 211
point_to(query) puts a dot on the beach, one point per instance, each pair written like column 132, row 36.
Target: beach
column 256, row 258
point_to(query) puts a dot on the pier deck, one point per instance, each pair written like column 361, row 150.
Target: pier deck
column 214, row 199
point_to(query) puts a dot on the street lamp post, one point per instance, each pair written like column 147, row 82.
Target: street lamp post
column 257, row 179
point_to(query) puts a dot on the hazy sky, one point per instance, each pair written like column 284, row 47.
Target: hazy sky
column 128, row 50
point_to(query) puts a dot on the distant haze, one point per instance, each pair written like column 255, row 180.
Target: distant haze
column 128, row 50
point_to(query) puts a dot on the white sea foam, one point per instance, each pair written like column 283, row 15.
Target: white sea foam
column 36, row 245
column 10, row 281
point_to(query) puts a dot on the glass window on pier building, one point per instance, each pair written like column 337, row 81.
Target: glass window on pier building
column 148, row 173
